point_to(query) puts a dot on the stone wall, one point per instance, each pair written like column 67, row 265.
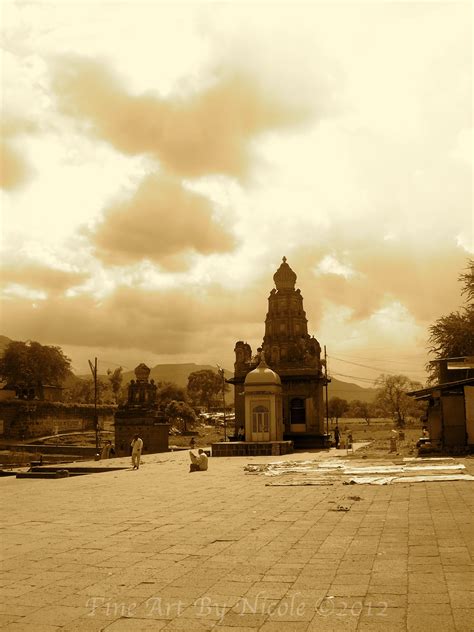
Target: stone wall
column 20, row 419
column 154, row 434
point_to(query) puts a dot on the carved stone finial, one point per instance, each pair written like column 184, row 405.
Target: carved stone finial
column 284, row 277
column 142, row 372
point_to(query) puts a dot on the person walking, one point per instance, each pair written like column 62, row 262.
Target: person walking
column 137, row 447
column 337, row 436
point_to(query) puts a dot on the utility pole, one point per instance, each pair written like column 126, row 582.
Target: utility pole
column 326, row 389
column 93, row 368
column 221, row 373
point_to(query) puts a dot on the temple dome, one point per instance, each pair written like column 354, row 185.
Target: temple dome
column 142, row 372
column 284, row 277
column 263, row 374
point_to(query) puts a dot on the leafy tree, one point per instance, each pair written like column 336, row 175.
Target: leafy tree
column 115, row 379
column 32, row 364
column 337, row 407
column 393, row 400
column 82, row 391
column 168, row 392
column 180, row 414
column 452, row 336
column 204, row 386
column 361, row 410
column 467, row 279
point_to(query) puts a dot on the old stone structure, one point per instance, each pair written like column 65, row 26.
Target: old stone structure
column 295, row 356
column 140, row 415
column 263, row 405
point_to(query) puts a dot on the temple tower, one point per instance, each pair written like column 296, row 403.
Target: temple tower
column 295, row 356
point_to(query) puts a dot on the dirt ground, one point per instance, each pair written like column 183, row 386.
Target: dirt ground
column 379, row 432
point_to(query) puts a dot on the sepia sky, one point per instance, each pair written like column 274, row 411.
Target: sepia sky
column 159, row 160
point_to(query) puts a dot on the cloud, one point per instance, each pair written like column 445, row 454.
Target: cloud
column 423, row 277
column 163, row 222
column 161, row 322
column 39, row 277
column 176, row 319
column 14, row 170
column 207, row 132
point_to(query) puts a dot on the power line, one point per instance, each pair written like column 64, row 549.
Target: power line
column 355, row 377
column 405, row 358
column 373, row 368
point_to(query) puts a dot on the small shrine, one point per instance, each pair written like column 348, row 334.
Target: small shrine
column 140, row 415
column 263, row 404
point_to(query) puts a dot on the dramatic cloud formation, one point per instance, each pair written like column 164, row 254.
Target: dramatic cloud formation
column 175, row 166
column 161, row 222
column 197, row 322
column 203, row 133
column 40, row 277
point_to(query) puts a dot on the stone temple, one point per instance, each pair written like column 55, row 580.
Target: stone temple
column 295, row 357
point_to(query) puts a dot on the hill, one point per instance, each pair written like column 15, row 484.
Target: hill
column 349, row 391
column 178, row 374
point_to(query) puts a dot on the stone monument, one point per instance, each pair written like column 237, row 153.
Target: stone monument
column 140, row 415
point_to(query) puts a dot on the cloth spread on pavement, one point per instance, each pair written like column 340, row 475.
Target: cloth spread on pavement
column 299, row 473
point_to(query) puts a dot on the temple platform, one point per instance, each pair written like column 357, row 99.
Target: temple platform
column 252, row 448
column 305, row 441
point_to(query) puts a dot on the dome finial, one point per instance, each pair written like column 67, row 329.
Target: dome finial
column 284, row 277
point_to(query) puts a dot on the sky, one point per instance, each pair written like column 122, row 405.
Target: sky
column 159, row 159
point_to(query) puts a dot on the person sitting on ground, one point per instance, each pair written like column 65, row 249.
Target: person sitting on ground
column 198, row 463
column 107, row 450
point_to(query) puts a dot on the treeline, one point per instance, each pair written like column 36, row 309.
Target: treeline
column 391, row 400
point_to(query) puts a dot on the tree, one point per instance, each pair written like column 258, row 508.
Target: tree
column 180, row 414
column 83, row 391
column 204, row 386
column 452, row 336
column 115, row 379
column 32, row 364
column 168, row 392
column 337, row 407
column 361, row 410
column 393, row 400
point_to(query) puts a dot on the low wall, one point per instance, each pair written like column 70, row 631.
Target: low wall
column 20, row 419
column 252, row 448
column 154, row 434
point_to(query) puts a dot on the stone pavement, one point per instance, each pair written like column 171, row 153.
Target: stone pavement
column 162, row 549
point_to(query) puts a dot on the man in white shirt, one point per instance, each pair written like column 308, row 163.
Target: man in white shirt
column 198, row 463
column 137, row 447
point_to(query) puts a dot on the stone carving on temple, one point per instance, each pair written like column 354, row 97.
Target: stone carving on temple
column 141, row 391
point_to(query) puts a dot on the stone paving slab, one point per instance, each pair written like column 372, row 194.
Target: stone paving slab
column 162, row 549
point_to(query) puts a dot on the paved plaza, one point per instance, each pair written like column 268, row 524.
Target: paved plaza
column 162, row 549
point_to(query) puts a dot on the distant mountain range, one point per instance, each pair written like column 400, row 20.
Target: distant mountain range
column 178, row 374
